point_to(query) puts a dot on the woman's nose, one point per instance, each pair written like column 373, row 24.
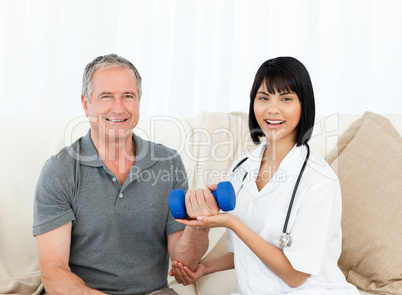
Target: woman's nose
column 273, row 107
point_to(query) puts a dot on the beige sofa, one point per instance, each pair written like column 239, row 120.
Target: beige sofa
column 208, row 144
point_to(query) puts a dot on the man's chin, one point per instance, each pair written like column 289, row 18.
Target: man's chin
column 118, row 134
column 112, row 134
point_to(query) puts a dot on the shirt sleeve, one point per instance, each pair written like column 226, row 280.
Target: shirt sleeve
column 314, row 225
column 229, row 242
column 53, row 197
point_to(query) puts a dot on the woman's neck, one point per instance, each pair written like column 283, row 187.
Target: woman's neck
column 276, row 151
column 273, row 155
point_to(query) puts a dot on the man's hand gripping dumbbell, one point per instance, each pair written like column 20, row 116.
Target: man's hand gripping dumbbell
column 201, row 201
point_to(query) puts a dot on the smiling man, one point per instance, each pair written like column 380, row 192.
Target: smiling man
column 101, row 228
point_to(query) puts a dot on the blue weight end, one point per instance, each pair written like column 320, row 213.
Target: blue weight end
column 227, row 196
column 177, row 204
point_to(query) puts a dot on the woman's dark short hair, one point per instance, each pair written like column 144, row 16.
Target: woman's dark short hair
column 283, row 74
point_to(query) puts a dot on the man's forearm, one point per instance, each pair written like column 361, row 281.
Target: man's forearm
column 60, row 281
column 191, row 246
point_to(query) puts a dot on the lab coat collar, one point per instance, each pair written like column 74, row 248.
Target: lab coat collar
column 290, row 165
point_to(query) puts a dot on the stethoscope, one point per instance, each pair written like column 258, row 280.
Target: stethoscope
column 285, row 237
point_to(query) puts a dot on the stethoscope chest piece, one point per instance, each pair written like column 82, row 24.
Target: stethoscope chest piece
column 284, row 240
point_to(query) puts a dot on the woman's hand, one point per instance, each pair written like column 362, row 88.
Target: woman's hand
column 184, row 275
column 219, row 220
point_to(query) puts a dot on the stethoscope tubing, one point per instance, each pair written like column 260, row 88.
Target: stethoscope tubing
column 285, row 235
column 285, row 225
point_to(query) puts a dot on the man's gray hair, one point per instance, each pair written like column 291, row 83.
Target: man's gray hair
column 106, row 62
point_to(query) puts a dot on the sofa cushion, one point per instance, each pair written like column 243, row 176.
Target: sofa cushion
column 369, row 164
column 30, row 284
column 180, row 289
column 26, row 147
column 219, row 283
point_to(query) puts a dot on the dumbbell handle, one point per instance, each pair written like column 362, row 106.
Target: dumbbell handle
column 224, row 195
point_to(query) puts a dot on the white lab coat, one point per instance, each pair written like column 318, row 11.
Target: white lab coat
column 314, row 225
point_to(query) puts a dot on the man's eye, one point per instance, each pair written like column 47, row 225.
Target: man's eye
column 106, row 97
column 129, row 96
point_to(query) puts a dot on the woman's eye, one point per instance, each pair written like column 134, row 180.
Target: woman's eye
column 287, row 99
column 263, row 98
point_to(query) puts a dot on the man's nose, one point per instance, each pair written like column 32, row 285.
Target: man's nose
column 118, row 105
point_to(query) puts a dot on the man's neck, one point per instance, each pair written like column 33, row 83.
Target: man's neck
column 118, row 154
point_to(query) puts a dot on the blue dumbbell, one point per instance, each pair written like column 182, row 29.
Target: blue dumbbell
column 224, row 196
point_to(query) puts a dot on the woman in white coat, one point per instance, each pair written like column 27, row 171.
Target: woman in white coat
column 274, row 249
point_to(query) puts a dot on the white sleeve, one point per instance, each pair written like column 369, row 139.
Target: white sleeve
column 229, row 243
column 312, row 227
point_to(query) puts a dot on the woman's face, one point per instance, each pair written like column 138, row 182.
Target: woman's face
column 277, row 114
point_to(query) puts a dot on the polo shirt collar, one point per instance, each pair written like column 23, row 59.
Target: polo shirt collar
column 88, row 155
column 144, row 157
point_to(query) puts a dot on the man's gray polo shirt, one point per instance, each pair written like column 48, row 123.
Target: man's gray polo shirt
column 119, row 232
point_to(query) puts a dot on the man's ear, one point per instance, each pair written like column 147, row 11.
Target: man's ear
column 84, row 103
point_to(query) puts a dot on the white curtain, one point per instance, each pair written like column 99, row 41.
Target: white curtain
column 197, row 55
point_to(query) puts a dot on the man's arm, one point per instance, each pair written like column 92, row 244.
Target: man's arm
column 188, row 246
column 54, row 254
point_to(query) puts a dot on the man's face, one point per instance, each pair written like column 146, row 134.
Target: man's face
column 113, row 111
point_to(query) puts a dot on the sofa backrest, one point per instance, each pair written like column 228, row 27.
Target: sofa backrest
column 209, row 143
